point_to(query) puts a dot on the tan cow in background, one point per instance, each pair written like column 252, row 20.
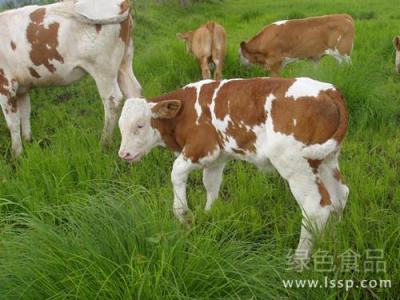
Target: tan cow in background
column 284, row 42
column 208, row 45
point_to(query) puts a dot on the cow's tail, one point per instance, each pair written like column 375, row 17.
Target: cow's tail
column 67, row 10
column 321, row 151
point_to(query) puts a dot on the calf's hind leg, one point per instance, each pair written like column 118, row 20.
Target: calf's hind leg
column 312, row 197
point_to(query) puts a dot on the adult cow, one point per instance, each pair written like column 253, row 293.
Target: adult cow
column 59, row 43
column 284, row 42
column 293, row 125
column 208, row 45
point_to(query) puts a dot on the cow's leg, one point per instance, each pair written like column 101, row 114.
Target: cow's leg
column 276, row 69
column 24, row 104
column 205, row 68
column 212, row 179
column 111, row 96
column 128, row 83
column 331, row 177
column 179, row 175
column 13, row 119
column 310, row 193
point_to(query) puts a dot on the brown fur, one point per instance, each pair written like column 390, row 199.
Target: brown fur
column 208, row 45
column 44, row 41
column 126, row 30
column 98, row 28
column 4, row 85
column 303, row 39
column 34, row 73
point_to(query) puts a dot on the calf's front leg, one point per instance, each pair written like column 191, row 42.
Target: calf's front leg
column 180, row 173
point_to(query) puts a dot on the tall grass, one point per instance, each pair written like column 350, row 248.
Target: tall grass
column 77, row 223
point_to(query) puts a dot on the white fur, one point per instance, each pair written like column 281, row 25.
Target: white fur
column 306, row 87
column 279, row 23
column 198, row 85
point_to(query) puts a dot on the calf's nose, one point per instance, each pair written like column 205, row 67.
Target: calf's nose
column 124, row 154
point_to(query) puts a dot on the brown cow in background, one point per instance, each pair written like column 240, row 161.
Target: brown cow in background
column 208, row 45
column 284, row 42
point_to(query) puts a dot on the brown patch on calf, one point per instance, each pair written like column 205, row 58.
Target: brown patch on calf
column 126, row 30
column 13, row 45
column 33, row 72
column 314, row 164
column 337, row 175
column 98, row 28
column 44, row 41
column 325, row 198
column 317, row 119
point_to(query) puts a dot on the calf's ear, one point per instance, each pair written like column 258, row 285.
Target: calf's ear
column 396, row 42
column 167, row 109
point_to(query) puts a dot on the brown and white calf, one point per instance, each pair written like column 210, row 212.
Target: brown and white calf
column 396, row 43
column 284, row 42
column 295, row 126
column 55, row 45
column 208, row 45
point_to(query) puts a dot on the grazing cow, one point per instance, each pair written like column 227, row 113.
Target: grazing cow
column 207, row 44
column 396, row 43
column 293, row 125
column 57, row 44
column 284, row 42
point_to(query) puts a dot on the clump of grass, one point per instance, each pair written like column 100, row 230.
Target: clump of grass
column 296, row 15
column 250, row 15
column 117, row 246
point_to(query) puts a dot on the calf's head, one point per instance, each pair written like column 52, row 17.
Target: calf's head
column 396, row 42
column 137, row 131
column 188, row 38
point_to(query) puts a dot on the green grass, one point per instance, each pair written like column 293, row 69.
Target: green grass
column 77, row 223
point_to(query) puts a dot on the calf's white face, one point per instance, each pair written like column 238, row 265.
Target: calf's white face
column 137, row 132
column 397, row 46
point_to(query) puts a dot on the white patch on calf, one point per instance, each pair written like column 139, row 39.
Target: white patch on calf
column 306, row 87
column 198, row 85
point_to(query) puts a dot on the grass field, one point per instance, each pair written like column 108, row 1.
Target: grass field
column 78, row 223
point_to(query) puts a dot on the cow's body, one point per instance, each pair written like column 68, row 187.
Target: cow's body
column 284, row 42
column 49, row 45
column 293, row 125
column 396, row 43
column 208, row 45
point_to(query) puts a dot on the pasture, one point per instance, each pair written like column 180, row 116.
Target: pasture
column 76, row 222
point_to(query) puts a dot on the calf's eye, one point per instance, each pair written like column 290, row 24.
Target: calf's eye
column 140, row 126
